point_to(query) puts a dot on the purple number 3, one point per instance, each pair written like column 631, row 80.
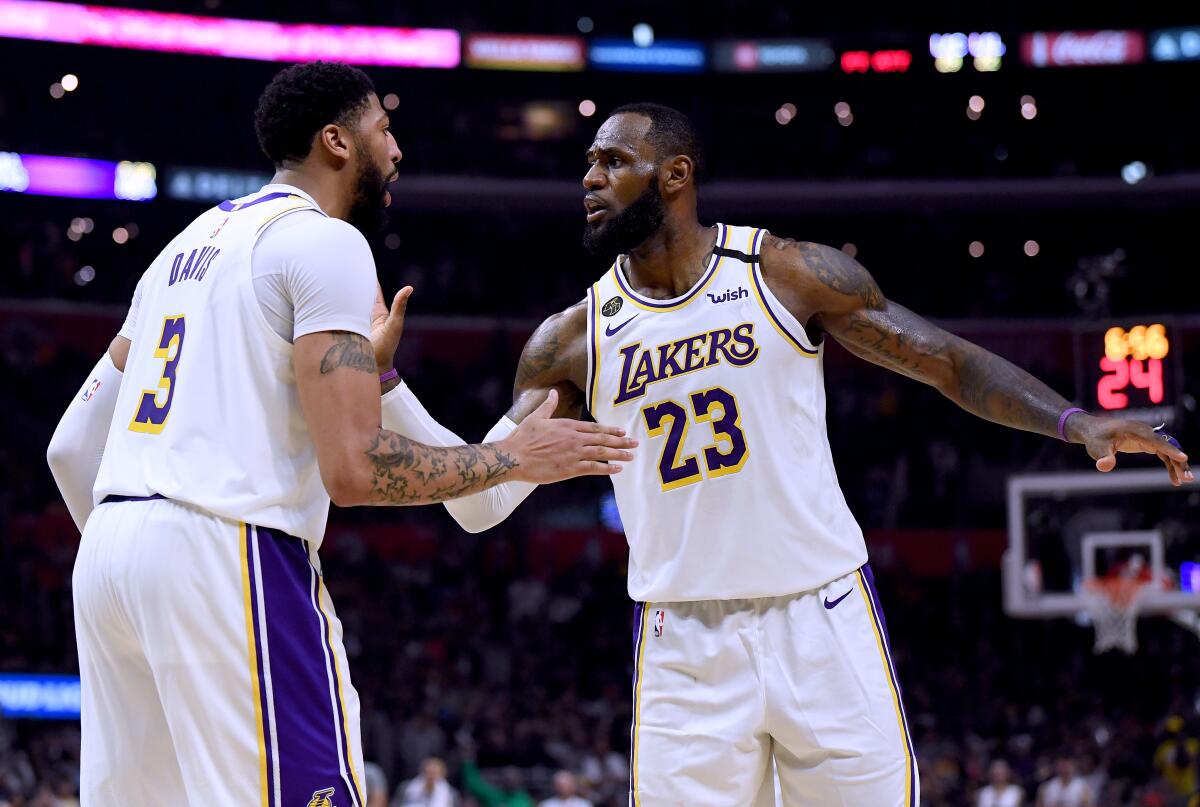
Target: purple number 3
column 151, row 416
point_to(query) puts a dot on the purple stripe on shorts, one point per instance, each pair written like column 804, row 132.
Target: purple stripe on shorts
column 251, row 540
column 308, row 724
column 638, row 610
column 877, row 614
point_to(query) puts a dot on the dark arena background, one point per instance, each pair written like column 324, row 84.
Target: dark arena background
column 1025, row 174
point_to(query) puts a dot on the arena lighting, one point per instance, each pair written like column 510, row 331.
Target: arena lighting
column 950, row 50
column 881, row 61
column 70, row 82
column 1175, row 45
column 40, row 697
column 643, row 35
column 222, row 36
column 77, row 177
column 1082, row 48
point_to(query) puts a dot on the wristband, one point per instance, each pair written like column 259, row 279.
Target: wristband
column 388, row 376
column 1062, row 421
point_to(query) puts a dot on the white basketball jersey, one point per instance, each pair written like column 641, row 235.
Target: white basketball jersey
column 732, row 492
column 208, row 412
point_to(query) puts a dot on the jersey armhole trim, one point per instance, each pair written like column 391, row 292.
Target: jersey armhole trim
column 259, row 316
column 768, row 303
column 593, row 351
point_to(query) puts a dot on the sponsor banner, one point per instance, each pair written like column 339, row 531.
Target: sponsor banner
column 772, row 55
column 1082, row 48
column 666, row 56
column 40, row 697
column 223, row 36
column 1175, row 45
column 212, row 185
column 45, row 175
column 524, row 52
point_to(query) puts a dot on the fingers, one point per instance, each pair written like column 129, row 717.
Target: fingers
column 400, row 301
column 1172, row 472
column 605, row 454
column 609, row 440
column 548, row 406
column 1106, row 463
column 596, row 428
column 590, row 468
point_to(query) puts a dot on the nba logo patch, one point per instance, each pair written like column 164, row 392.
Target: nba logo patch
column 91, row 390
column 659, row 618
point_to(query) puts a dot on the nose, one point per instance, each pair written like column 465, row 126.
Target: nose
column 594, row 178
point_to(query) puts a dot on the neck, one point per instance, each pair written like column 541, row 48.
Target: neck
column 672, row 260
column 324, row 189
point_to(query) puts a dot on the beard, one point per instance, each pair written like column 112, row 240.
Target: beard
column 367, row 213
column 628, row 229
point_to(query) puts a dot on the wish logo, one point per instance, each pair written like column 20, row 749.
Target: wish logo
column 729, row 296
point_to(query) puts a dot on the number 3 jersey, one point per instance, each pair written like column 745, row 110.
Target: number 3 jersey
column 208, row 413
column 732, row 492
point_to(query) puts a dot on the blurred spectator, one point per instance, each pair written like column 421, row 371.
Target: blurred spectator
column 509, row 793
column 430, row 789
column 376, row 784
column 1000, row 791
column 1177, row 757
column 1066, row 789
column 565, row 792
column 605, row 772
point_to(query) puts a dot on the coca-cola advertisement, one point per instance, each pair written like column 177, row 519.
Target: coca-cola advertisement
column 1082, row 48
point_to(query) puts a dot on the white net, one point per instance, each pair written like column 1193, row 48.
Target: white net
column 1112, row 604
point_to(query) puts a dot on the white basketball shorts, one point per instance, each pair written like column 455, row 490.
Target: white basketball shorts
column 722, row 688
column 212, row 665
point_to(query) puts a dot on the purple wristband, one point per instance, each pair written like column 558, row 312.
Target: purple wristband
column 1062, row 421
column 392, row 373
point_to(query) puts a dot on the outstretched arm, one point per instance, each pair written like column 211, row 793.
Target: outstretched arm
column 828, row 288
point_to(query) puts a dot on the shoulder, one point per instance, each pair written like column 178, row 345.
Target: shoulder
column 817, row 277
column 557, row 350
column 559, row 332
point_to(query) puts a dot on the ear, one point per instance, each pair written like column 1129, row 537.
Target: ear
column 335, row 141
column 677, row 174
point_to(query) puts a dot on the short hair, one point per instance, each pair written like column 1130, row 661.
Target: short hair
column 304, row 98
column 671, row 132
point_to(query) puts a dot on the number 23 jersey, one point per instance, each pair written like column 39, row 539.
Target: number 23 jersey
column 732, row 492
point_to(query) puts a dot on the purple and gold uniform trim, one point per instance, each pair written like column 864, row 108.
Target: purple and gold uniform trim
column 756, row 283
column 865, row 581
column 593, row 321
column 302, row 723
column 641, row 612
column 646, row 304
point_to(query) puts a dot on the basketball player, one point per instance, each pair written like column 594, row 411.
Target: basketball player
column 239, row 397
column 759, row 635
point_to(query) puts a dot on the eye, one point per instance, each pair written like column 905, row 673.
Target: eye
column 614, row 162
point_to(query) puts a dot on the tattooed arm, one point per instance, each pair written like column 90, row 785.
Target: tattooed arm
column 363, row 463
column 830, row 290
column 554, row 358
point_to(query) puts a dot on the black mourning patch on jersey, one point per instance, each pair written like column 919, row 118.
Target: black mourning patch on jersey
column 612, row 306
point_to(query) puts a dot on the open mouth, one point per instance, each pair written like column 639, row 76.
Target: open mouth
column 595, row 210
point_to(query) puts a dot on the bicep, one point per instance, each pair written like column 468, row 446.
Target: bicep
column 897, row 339
column 555, row 357
column 339, row 395
column 118, row 351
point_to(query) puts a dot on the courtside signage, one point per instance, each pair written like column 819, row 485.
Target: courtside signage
column 666, row 56
column 223, row 36
column 212, row 185
column 40, row 697
column 1083, row 48
column 524, row 52
column 45, row 175
column 772, row 55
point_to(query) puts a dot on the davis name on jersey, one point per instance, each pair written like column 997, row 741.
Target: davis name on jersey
column 733, row 492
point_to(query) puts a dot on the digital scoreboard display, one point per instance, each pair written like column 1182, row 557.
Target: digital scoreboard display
column 1130, row 366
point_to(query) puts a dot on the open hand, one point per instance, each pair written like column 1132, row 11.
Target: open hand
column 387, row 326
column 1105, row 437
column 549, row 449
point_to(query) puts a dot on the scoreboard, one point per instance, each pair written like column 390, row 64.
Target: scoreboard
column 1134, row 368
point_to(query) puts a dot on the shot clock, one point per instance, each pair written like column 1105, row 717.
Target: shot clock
column 1133, row 368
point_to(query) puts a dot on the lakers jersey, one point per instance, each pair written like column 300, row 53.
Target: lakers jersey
column 732, row 492
column 208, row 413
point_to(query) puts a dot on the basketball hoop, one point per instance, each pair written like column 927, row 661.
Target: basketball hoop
column 1112, row 602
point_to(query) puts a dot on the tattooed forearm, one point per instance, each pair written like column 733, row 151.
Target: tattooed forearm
column 407, row 472
column 997, row 390
column 349, row 350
